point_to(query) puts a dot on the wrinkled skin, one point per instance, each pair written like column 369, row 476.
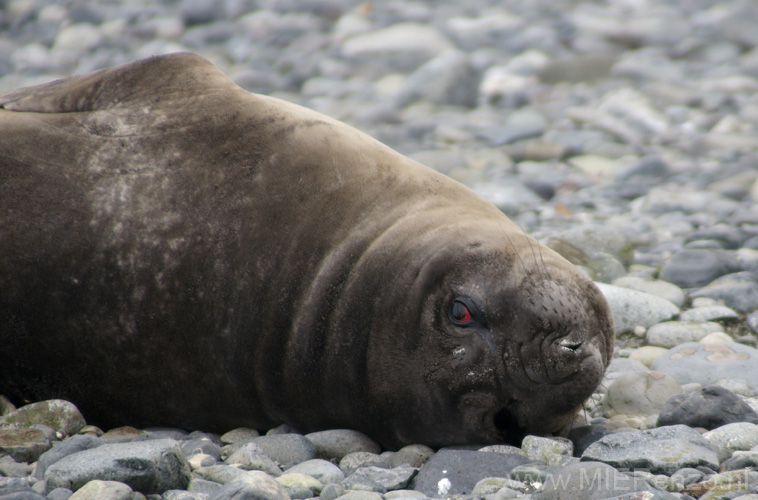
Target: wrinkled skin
column 177, row 251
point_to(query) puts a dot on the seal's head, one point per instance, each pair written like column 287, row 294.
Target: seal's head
column 512, row 339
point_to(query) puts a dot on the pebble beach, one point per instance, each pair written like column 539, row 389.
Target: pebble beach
column 620, row 133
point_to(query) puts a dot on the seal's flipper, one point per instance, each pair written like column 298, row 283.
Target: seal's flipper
column 143, row 80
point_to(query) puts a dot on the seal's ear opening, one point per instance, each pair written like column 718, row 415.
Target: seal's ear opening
column 507, row 424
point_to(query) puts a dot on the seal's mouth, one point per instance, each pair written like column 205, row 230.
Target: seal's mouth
column 507, row 424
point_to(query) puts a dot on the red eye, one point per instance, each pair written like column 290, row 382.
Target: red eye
column 459, row 312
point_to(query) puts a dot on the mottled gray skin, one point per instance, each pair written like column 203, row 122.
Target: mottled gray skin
column 177, row 251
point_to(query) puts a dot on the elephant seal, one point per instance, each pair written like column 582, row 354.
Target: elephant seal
column 177, row 251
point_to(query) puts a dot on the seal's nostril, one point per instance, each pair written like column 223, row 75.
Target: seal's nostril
column 571, row 345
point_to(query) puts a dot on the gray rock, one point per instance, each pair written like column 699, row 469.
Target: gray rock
column 605, row 268
column 738, row 291
column 673, row 333
column 739, row 436
column 332, row 491
column 631, row 308
column 552, row 451
column 695, row 268
column 239, row 434
column 200, row 445
column 251, row 457
column 183, row 495
column 57, row 414
column 456, row 472
column 414, row 455
column 640, row 393
column 146, row 466
column 62, row 449
column 709, row 313
column 262, row 487
column 360, row 495
column 660, row 288
column 593, row 238
column 60, row 494
column 591, row 481
column 286, row 449
column 707, row 363
column 320, row 469
column 23, row 445
column 662, row 450
column 357, row 459
column 709, row 408
column 741, row 460
column 336, row 443
column 203, row 486
column 447, row 79
column 103, row 490
column 222, row 473
column 295, row 481
column 387, row 479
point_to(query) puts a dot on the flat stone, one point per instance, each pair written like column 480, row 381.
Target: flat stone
column 456, row 472
column 146, row 466
column 663, row 450
column 23, row 445
column 707, row 363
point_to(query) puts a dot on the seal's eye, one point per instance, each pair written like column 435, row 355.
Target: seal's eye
column 460, row 314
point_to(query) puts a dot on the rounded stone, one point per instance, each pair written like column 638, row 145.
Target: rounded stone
column 322, row 470
column 414, row 455
column 298, row 480
column 631, row 308
column 552, row 451
column 336, row 443
column 103, row 490
column 738, row 436
column 696, row 267
column 357, row 459
column 640, row 393
column 673, row 333
column 660, row 288
column 709, row 408
column 239, row 434
column 57, row 414
column 286, row 449
column 647, row 354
